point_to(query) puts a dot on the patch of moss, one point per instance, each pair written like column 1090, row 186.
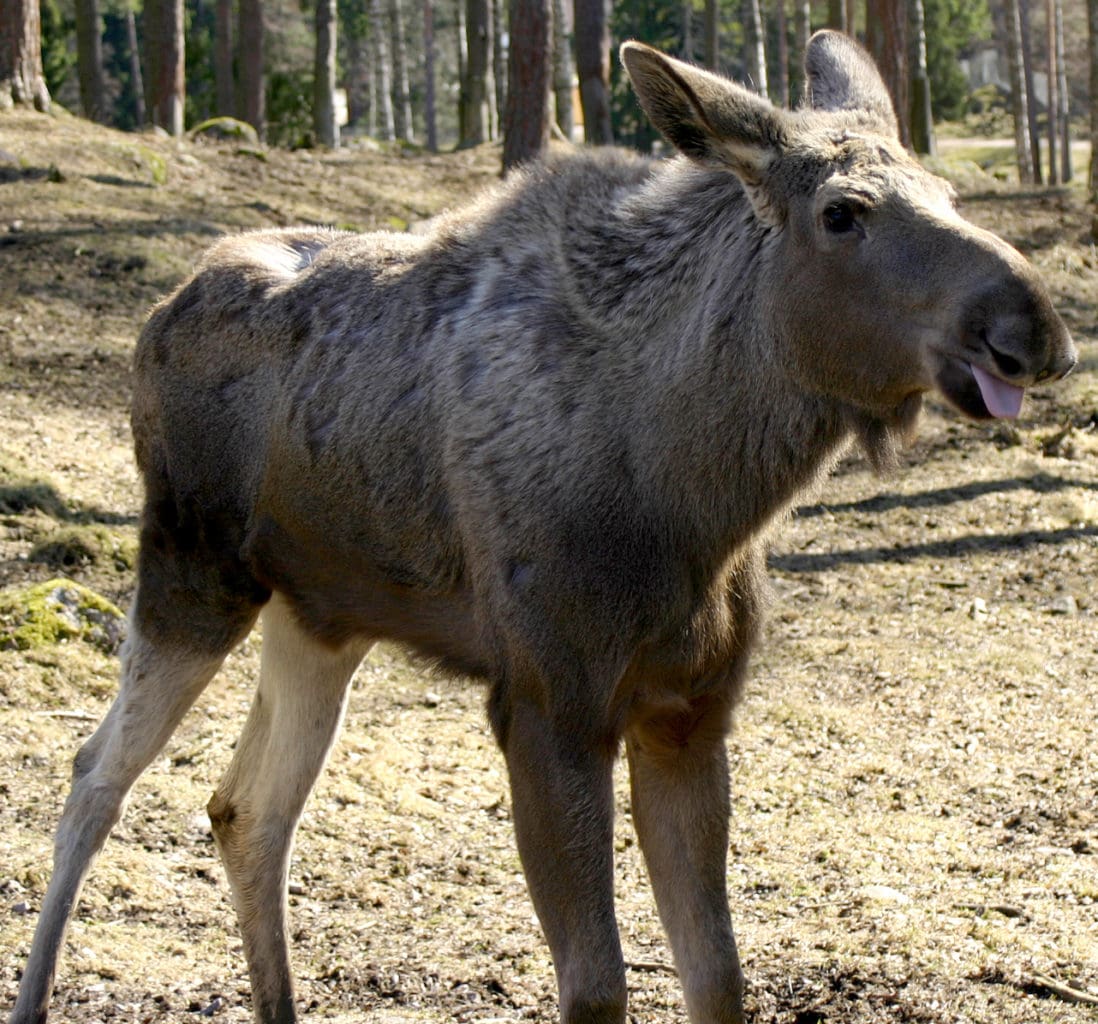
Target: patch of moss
column 74, row 547
column 226, row 128
column 57, row 611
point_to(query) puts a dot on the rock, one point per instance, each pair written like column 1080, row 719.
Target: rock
column 56, row 611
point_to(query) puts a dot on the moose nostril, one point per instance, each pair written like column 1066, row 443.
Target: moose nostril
column 1008, row 364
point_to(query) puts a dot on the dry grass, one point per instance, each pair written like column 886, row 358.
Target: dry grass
column 915, row 767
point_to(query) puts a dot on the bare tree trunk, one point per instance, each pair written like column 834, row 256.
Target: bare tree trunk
column 712, row 34
column 22, row 80
column 563, row 72
column 224, row 85
column 783, row 53
column 253, row 101
column 1065, row 97
column 164, row 61
column 593, row 67
column 475, row 127
column 754, row 57
column 383, row 73
column 89, row 59
column 1031, row 95
column 1019, row 95
column 836, row 15
column 530, row 76
column 430, row 104
column 1053, row 119
column 687, row 17
column 137, row 80
column 462, row 63
column 922, row 120
column 886, row 36
column 802, row 29
column 324, row 75
column 402, row 100
column 499, row 61
column 1092, row 47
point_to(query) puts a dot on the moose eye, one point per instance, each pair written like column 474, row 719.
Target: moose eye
column 839, row 217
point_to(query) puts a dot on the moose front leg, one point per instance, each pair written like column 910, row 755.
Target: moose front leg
column 679, row 778
column 562, row 792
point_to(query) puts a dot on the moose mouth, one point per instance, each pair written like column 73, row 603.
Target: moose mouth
column 977, row 393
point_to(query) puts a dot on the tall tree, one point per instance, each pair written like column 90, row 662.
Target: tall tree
column 253, row 101
column 922, row 121
column 593, row 68
column 1019, row 94
column 1092, row 47
column 1053, row 112
column 383, row 74
column 22, row 80
column 137, row 80
column 402, row 98
column 499, row 60
column 802, row 29
column 712, row 34
column 886, row 36
column 1064, row 109
column 1031, row 109
column 836, row 15
column 563, row 71
column 529, row 82
column 475, row 120
column 754, row 47
column 89, row 60
column 783, row 53
column 430, row 104
column 164, row 60
column 324, row 75
column 224, row 79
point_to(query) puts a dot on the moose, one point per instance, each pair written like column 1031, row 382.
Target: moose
column 544, row 445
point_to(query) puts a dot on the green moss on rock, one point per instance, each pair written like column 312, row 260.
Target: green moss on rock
column 55, row 612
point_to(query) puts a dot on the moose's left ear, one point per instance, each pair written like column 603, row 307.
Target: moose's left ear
column 709, row 118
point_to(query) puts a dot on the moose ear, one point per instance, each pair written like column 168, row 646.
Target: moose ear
column 842, row 76
column 710, row 119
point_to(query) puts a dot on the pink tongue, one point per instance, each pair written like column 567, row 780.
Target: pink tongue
column 1002, row 399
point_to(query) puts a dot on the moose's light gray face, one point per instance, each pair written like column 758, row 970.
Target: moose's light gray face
column 899, row 295
column 895, row 293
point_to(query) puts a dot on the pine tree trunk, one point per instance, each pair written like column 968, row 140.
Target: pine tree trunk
column 22, row 80
column 802, row 29
column 402, row 100
column 754, row 57
column 712, row 34
column 89, row 59
column 1019, row 96
column 1065, row 97
column 836, row 16
column 593, row 68
column 783, row 53
column 164, row 61
column 383, row 73
column 462, row 63
column 1092, row 47
column 1053, row 118
column 253, row 101
column 1031, row 95
column 529, row 81
column 886, row 36
column 224, row 86
column 562, row 69
column 474, row 87
column 686, row 51
column 922, row 120
column 430, row 104
column 137, row 80
column 499, row 62
column 324, row 75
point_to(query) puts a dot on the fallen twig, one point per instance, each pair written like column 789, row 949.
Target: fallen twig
column 1062, row 991
column 651, row 966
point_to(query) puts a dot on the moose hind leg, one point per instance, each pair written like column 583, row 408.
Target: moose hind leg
column 679, row 779
column 254, row 812
column 159, row 683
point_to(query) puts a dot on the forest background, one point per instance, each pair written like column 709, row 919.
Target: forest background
column 440, row 73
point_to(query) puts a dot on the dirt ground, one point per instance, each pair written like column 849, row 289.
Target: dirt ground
column 915, row 767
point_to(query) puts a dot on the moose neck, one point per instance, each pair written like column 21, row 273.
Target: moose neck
column 732, row 439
